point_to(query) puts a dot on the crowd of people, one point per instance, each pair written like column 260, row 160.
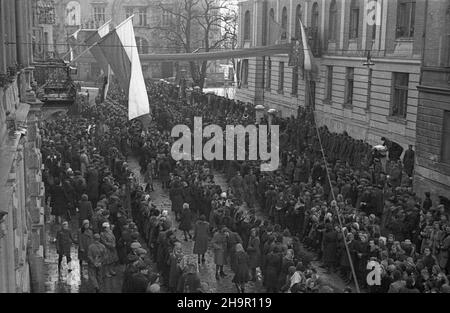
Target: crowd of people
column 350, row 203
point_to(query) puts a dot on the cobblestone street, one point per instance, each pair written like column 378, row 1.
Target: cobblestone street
column 72, row 282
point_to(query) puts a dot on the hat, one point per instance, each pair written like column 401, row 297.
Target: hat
column 105, row 224
column 135, row 245
column 85, row 222
column 141, row 251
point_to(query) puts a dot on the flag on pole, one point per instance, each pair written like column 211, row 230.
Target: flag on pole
column 309, row 63
column 101, row 32
column 120, row 50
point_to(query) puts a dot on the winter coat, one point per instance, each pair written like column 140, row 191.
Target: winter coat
column 201, row 231
column 272, row 270
column 254, row 252
column 85, row 239
column 175, row 263
column 176, row 196
column 241, row 269
column 219, row 244
column 108, row 239
column 186, row 220
column 58, row 201
column 85, row 210
column 329, row 241
column 96, row 254
column 92, row 184
column 64, row 241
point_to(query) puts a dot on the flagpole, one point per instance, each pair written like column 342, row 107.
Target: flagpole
column 84, row 41
column 70, row 49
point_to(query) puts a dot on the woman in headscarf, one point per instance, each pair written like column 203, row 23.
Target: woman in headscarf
column 241, row 274
column 186, row 221
column 108, row 239
column 85, row 238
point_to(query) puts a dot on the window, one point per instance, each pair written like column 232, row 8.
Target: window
column 374, row 26
column 315, row 17
column 166, row 19
column 142, row 45
column 406, row 11
column 269, row 74
column 99, row 14
column 354, row 19
column 445, row 143
column 73, row 13
column 284, row 23
column 333, row 26
column 329, row 86
column 298, row 17
column 349, row 85
column 143, row 17
column 245, row 73
column 129, row 11
column 295, row 80
column 247, row 22
column 369, row 88
column 270, row 25
column 399, row 99
column 281, row 77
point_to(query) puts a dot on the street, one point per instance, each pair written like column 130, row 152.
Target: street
column 74, row 283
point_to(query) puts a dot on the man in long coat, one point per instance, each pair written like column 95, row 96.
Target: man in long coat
column 96, row 256
column 176, row 196
column 219, row 244
column 201, row 233
column 408, row 161
column 92, row 181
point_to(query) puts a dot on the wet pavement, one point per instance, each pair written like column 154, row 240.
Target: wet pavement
column 73, row 282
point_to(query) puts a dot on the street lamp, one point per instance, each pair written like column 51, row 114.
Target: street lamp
column 272, row 113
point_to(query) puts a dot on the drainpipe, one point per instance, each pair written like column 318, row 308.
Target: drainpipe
column 423, row 42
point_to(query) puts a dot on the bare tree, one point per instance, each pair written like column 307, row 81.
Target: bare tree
column 195, row 25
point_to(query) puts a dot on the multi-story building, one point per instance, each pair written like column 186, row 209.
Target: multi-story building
column 148, row 21
column 22, row 235
column 433, row 118
column 368, row 102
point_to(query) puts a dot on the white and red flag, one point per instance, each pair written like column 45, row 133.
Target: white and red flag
column 120, row 50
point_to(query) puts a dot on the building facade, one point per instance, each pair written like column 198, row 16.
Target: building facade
column 368, row 102
column 22, row 235
column 148, row 20
column 433, row 119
